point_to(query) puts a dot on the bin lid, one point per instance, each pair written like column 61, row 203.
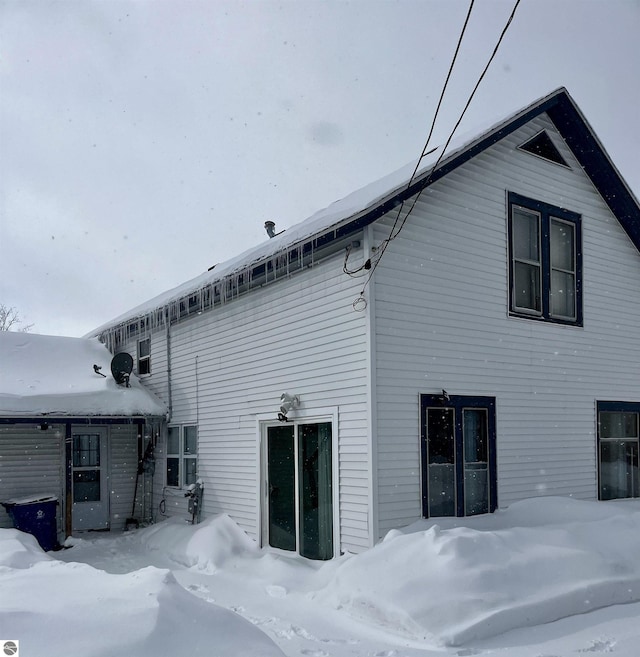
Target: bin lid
column 32, row 499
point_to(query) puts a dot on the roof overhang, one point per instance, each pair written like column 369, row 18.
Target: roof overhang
column 358, row 210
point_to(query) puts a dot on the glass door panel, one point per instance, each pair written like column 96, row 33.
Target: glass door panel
column 316, row 500
column 441, row 462
column 281, row 481
column 618, row 469
column 299, row 513
column 476, row 461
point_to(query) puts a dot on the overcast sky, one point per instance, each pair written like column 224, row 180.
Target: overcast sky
column 143, row 142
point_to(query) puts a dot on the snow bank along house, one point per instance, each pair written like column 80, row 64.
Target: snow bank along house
column 68, row 431
column 332, row 383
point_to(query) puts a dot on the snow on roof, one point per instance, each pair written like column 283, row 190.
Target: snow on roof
column 339, row 213
column 51, row 375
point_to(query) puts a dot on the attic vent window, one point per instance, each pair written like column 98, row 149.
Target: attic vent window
column 542, row 146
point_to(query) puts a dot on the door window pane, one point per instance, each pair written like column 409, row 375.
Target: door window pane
column 281, row 478
column 316, row 501
column 476, row 489
column 442, row 498
column 618, row 469
column 86, row 450
column 440, row 435
column 86, row 486
column 441, row 462
column 476, row 466
column 475, row 435
column 618, row 424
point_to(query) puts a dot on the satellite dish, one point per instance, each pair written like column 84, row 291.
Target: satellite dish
column 121, row 367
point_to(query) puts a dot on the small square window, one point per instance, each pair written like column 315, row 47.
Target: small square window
column 545, row 262
column 144, row 356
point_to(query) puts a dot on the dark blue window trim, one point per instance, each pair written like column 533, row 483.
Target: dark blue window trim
column 458, row 403
column 546, row 212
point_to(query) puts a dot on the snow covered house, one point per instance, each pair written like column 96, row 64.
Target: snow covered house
column 362, row 370
column 68, row 430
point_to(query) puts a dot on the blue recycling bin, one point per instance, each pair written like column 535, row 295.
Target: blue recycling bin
column 37, row 516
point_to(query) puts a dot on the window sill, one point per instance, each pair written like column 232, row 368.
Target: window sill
column 547, row 320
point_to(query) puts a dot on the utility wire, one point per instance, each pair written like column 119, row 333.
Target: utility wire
column 424, row 152
column 393, row 235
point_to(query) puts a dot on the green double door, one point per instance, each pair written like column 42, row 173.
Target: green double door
column 299, row 489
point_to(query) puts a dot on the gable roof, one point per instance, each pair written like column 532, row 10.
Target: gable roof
column 44, row 376
column 353, row 212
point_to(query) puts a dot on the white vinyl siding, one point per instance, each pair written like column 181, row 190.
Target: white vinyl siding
column 437, row 317
column 231, row 364
column 123, row 458
column 442, row 322
column 31, row 463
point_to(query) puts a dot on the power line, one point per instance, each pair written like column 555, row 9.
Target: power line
column 367, row 264
column 372, row 266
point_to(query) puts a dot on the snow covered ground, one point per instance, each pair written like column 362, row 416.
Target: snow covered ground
column 550, row 577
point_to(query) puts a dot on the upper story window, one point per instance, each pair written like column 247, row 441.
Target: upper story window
column 144, row 356
column 545, row 261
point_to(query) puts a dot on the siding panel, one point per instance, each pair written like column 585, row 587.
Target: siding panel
column 231, row 364
column 31, row 463
column 441, row 300
column 123, row 445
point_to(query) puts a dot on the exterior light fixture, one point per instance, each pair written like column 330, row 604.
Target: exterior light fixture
column 287, row 403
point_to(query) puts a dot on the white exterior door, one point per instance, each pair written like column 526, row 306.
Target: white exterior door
column 89, row 479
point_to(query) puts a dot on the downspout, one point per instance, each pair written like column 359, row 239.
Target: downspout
column 168, row 337
column 372, row 401
column 68, row 498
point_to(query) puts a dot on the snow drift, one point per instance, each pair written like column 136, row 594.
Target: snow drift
column 442, row 582
column 451, row 586
column 55, row 608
